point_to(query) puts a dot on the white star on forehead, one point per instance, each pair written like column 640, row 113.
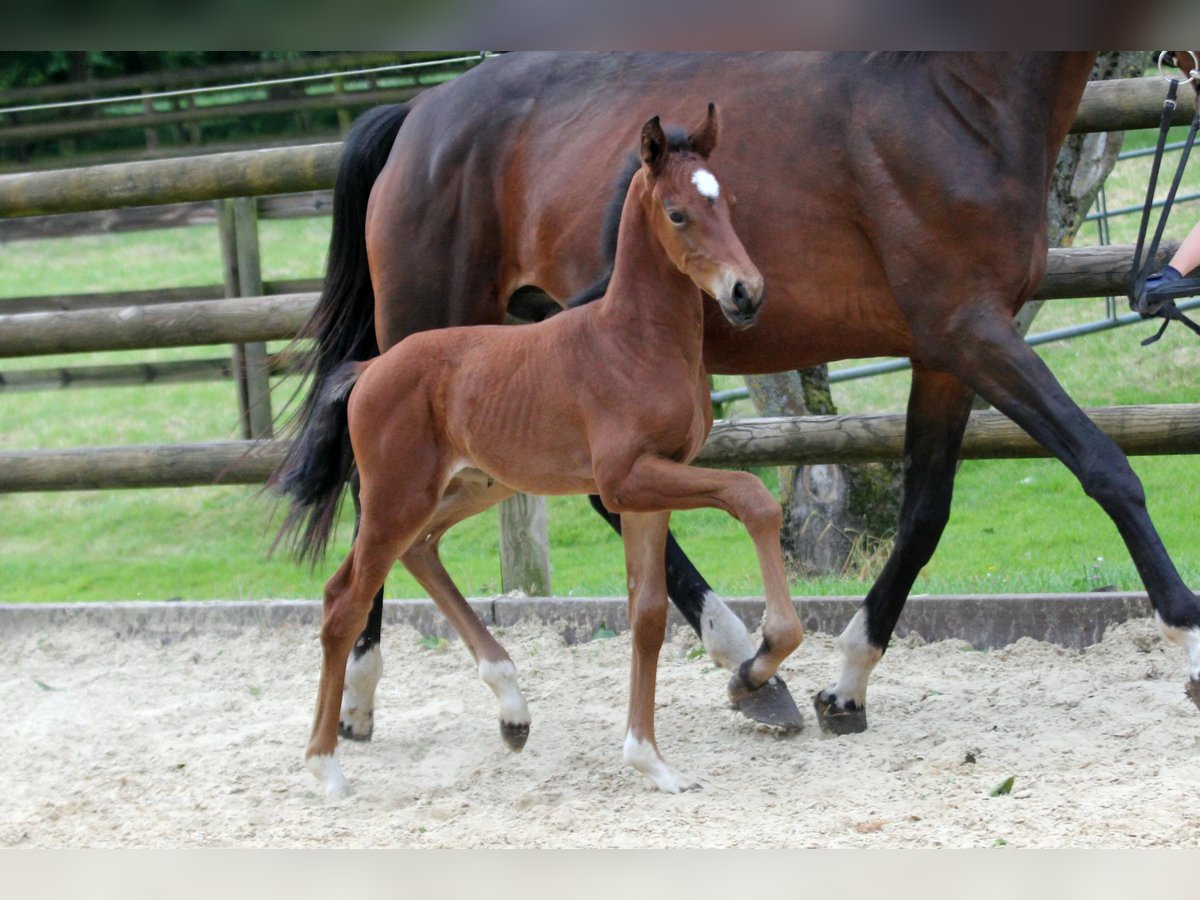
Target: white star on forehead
column 706, row 183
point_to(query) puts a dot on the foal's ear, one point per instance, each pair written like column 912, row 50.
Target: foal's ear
column 704, row 138
column 654, row 146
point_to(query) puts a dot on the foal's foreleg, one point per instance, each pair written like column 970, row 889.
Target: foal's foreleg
column 644, row 536
column 722, row 632
column 656, row 483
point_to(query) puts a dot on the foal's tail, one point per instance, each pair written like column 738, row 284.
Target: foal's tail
column 324, row 462
column 319, row 462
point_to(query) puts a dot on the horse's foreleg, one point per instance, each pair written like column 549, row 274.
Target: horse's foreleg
column 1005, row 371
column 654, row 483
column 644, row 536
column 724, row 635
column 938, row 408
column 496, row 669
column 364, row 668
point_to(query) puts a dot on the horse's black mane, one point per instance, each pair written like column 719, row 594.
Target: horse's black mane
column 677, row 141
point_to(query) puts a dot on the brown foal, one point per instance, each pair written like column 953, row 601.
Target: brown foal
column 447, row 423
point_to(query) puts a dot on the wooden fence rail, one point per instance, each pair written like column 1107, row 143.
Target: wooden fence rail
column 1115, row 105
column 1071, row 272
column 809, row 440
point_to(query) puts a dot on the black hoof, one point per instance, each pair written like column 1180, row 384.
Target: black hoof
column 833, row 719
column 514, row 735
column 771, row 704
column 1193, row 691
column 349, row 734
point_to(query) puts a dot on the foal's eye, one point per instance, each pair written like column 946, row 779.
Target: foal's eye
column 676, row 216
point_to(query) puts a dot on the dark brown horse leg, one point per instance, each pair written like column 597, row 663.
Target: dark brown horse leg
column 364, row 668
column 1002, row 368
column 938, row 407
column 724, row 634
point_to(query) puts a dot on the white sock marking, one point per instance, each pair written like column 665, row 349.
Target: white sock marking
column 501, row 677
column 724, row 636
column 706, row 184
column 1188, row 639
column 858, row 660
column 644, row 757
column 358, row 695
column 328, row 771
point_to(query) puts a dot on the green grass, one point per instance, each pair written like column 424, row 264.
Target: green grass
column 1021, row 525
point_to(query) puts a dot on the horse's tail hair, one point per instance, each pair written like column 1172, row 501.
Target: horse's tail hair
column 314, row 472
column 324, row 463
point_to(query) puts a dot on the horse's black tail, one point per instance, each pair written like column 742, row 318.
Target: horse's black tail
column 319, row 462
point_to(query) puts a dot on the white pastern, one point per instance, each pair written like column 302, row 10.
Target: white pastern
column 358, row 696
column 329, row 772
column 1188, row 639
column 501, row 677
column 724, row 636
column 644, row 757
column 859, row 658
column 706, row 184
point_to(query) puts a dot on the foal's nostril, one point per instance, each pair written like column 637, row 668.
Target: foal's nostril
column 742, row 298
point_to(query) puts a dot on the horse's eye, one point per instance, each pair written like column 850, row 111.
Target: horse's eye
column 676, row 216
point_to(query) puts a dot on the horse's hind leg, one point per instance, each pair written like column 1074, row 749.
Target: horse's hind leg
column 938, row 408
column 1006, row 372
column 644, row 536
column 364, row 668
column 466, row 498
column 389, row 526
column 347, row 603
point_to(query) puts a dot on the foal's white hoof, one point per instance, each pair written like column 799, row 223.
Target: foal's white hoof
column 328, row 771
column 644, row 757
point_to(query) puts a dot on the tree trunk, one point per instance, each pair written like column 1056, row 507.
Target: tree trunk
column 837, row 517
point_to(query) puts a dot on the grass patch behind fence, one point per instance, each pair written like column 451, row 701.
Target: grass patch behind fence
column 1018, row 525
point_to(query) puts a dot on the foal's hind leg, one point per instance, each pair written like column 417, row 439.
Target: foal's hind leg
column 644, row 536
column 938, row 408
column 347, row 604
column 496, row 669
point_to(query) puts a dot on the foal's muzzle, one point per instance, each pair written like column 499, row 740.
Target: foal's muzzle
column 744, row 302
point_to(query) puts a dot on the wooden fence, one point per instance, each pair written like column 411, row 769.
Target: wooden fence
column 252, row 312
column 153, row 126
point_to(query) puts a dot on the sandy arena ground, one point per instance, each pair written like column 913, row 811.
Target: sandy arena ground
column 133, row 742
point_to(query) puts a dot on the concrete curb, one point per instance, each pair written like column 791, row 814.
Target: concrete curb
column 985, row 621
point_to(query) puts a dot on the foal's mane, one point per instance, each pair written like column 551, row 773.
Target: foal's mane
column 677, row 142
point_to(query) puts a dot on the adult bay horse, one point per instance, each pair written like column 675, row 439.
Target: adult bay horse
column 533, row 409
column 895, row 203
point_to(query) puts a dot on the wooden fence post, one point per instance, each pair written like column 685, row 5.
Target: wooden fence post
column 237, row 222
column 524, row 546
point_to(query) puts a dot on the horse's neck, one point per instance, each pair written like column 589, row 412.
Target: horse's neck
column 648, row 298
